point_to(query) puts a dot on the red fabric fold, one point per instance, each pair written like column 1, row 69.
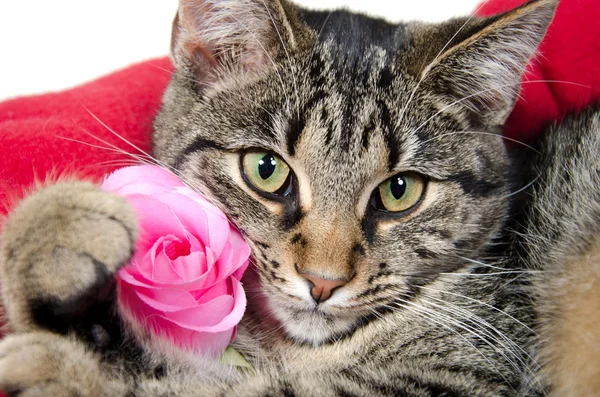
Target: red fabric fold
column 38, row 134
column 568, row 62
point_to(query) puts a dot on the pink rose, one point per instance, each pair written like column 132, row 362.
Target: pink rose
column 183, row 282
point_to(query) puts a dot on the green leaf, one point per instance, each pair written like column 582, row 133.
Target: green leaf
column 232, row 357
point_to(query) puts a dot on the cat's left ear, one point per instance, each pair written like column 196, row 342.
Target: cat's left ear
column 475, row 66
column 213, row 39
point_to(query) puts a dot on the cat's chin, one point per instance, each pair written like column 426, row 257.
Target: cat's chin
column 300, row 320
column 313, row 326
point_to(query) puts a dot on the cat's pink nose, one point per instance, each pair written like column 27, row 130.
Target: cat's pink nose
column 320, row 288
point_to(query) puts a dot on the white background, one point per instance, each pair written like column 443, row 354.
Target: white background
column 48, row 45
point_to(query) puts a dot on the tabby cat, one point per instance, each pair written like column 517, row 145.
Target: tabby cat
column 398, row 249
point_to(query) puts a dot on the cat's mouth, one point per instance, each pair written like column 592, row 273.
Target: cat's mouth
column 299, row 317
column 313, row 325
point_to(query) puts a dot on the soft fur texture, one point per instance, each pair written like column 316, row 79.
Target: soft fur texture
column 439, row 301
column 561, row 241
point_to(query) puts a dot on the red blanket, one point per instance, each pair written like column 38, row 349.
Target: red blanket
column 49, row 135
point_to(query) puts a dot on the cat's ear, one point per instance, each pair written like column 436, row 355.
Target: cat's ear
column 213, row 38
column 477, row 64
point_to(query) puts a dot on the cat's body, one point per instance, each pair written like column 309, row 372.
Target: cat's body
column 446, row 297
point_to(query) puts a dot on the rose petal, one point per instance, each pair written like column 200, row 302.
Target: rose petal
column 205, row 280
column 239, row 273
column 143, row 173
column 211, row 344
column 156, row 220
column 204, row 316
column 152, row 320
column 132, row 275
column 215, row 217
column 240, row 248
column 224, row 263
column 144, row 189
column 162, row 266
column 195, row 244
column 210, row 227
column 156, row 264
column 144, row 265
column 166, row 300
column 205, row 295
column 130, row 304
column 218, row 315
column 191, row 266
column 166, row 329
column 205, row 343
column 198, row 198
column 234, row 256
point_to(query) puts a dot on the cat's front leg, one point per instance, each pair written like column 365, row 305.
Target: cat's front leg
column 60, row 250
column 43, row 364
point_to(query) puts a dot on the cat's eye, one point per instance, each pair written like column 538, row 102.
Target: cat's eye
column 399, row 193
column 266, row 171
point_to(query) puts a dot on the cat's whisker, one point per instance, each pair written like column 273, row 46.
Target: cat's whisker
column 491, row 274
column 496, row 88
column 521, row 143
column 432, row 317
column 479, row 302
column 144, row 157
column 481, row 263
column 376, row 313
column 259, row 334
column 120, row 163
column 524, row 188
column 481, row 323
column 124, row 140
column 109, row 148
column 103, row 165
column 324, row 23
column 271, row 332
column 501, row 270
column 517, row 357
column 470, row 330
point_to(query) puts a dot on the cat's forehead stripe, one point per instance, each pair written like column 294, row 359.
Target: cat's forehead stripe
column 198, row 144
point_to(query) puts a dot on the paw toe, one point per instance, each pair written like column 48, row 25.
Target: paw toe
column 63, row 243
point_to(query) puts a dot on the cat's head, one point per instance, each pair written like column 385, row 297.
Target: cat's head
column 360, row 159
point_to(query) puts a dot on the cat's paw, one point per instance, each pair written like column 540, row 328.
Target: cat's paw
column 40, row 364
column 60, row 250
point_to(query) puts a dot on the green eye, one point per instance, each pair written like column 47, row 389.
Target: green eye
column 265, row 171
column 400, row 193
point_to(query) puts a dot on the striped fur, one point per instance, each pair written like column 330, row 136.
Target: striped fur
column 441, row 301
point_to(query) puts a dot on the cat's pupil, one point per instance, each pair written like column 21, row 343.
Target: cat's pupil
column 398, row 187
column 267, row 166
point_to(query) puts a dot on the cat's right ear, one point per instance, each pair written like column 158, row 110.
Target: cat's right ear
column 212, row 39
column 474, row 66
